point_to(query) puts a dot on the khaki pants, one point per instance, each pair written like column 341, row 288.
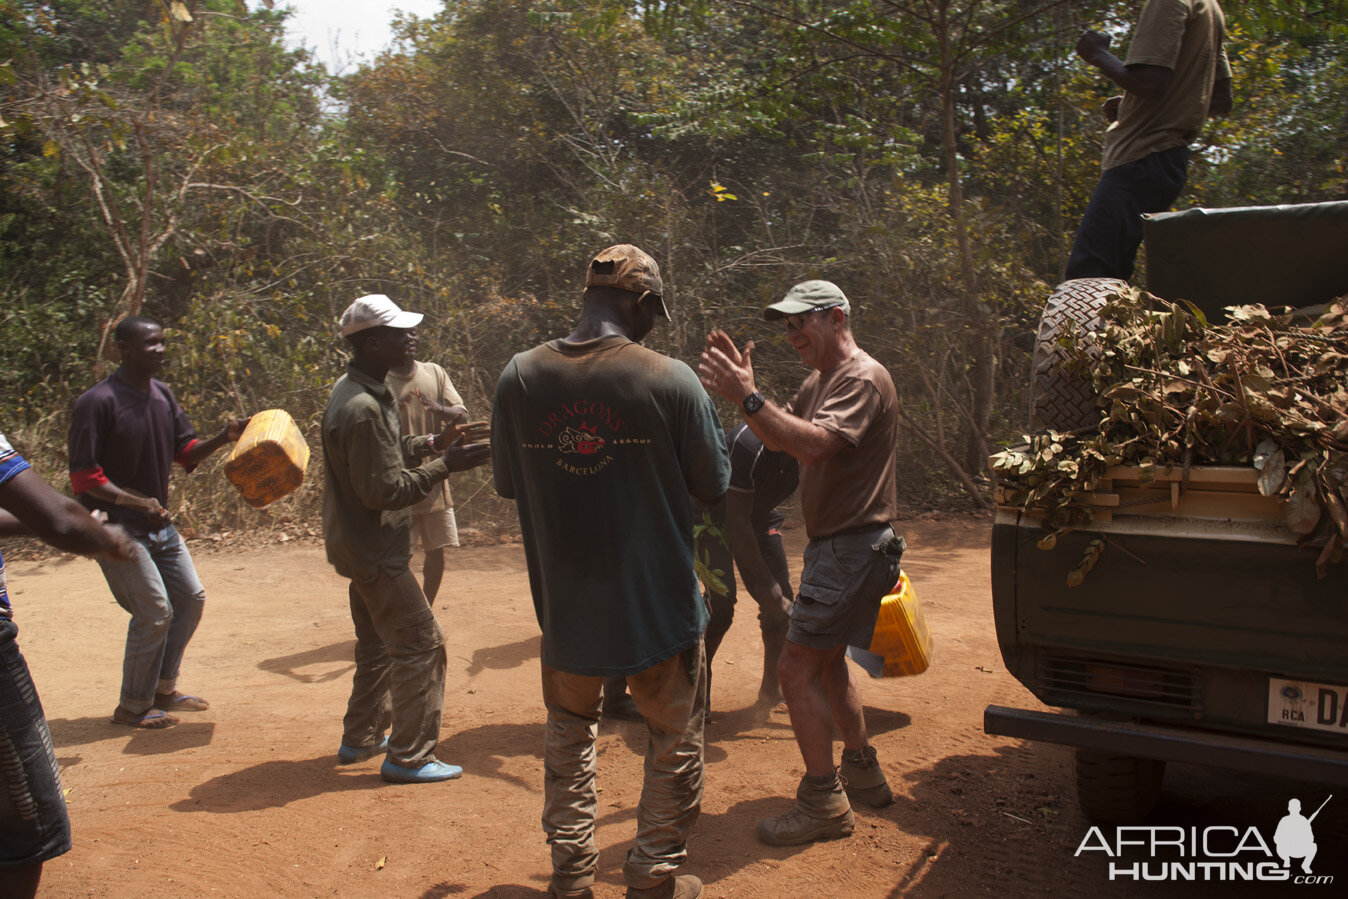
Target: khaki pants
column 400, row 669
column 672, row 703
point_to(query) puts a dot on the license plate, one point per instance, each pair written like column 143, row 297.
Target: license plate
column 1299, row 703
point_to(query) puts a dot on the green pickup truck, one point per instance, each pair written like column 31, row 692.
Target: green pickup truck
column 1204, row 634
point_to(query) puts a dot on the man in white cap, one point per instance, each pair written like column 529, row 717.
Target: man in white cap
column 841, row 426
column 370, row 480
column 601, row 442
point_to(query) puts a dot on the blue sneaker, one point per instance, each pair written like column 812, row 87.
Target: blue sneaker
column 349, row 755
column 429, row 773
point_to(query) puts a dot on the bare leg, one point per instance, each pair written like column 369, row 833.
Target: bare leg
column 801, row 672
column 770, row 691
column 845, row 701
column 433, row 572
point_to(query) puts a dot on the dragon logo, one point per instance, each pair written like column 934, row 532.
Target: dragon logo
column 583, row 439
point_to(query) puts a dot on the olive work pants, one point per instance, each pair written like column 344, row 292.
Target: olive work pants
column 672, row 703
column 400, row 669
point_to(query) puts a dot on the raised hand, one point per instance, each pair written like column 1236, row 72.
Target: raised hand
column 1090, row 44
column 455, row 414
column 726, row 370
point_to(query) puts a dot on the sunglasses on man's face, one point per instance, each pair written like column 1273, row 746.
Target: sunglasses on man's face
column 797, row 321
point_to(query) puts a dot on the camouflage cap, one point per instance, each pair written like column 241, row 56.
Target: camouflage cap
column 627, row 268
column 808, row 296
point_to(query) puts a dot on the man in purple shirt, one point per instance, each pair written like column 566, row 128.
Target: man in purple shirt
column 125, row 434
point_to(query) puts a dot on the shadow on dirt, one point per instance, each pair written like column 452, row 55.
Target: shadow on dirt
column 276, row 784
column 506, row 656
column 69, row 732
column 340, row 654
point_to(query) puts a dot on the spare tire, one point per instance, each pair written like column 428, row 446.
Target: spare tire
column 1060, row 399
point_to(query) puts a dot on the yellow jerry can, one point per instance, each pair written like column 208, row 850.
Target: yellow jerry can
column 270, row 458
column 902, row 642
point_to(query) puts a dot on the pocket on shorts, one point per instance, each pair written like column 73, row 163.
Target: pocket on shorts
column 819, row 594
column 850, row 555
column 824, row 580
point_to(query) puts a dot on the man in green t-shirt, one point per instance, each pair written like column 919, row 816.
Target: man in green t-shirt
column 601, row 442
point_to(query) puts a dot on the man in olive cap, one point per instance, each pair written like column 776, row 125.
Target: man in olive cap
column 841, row 426
column 601, row 442
column 370, row 479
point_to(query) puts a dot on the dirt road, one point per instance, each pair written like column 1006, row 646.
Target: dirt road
column 246, row 799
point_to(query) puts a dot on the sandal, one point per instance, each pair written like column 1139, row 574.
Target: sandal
column 153, row 719
column 180, row 702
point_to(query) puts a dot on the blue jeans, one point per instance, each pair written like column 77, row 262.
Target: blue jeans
column 1111, row 229
column 160, row 588
column 719, row 558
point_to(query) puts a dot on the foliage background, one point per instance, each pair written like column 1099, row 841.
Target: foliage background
column 173, row 157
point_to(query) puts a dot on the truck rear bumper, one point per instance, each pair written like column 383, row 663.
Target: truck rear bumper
column 1158, row 741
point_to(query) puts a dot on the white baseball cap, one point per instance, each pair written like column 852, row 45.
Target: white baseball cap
column 376, row 311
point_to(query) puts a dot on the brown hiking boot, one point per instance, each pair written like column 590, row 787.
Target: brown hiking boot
column 680, row 886
column 796, row 828
column 863, row 779
column 821, row 812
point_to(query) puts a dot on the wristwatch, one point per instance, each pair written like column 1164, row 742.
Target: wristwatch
column 753, row 402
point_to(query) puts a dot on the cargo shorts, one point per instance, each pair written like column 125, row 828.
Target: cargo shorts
column 845, row 577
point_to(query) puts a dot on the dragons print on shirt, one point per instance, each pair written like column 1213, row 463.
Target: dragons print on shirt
column 583, row 436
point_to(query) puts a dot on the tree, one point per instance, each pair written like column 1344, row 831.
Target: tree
column 158, row 128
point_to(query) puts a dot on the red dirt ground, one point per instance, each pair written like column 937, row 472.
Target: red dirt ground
column 246, row 799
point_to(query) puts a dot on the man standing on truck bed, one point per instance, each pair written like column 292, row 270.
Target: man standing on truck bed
column 1175, row 75
column 841, row 425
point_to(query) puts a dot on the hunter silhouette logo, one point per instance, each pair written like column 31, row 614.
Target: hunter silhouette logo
column 583, row 439
column 1294, row 837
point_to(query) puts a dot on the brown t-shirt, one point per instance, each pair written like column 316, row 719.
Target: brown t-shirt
column 1186, row 37
column 855, row 486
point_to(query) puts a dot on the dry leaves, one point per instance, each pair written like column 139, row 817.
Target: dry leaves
column 1174, row 390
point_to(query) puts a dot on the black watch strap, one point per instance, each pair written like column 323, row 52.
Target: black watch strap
column 752, row 403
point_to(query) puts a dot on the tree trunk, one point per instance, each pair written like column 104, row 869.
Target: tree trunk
column 982, row 359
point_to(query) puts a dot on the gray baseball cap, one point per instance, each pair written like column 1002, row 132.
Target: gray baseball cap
column 807, row 296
